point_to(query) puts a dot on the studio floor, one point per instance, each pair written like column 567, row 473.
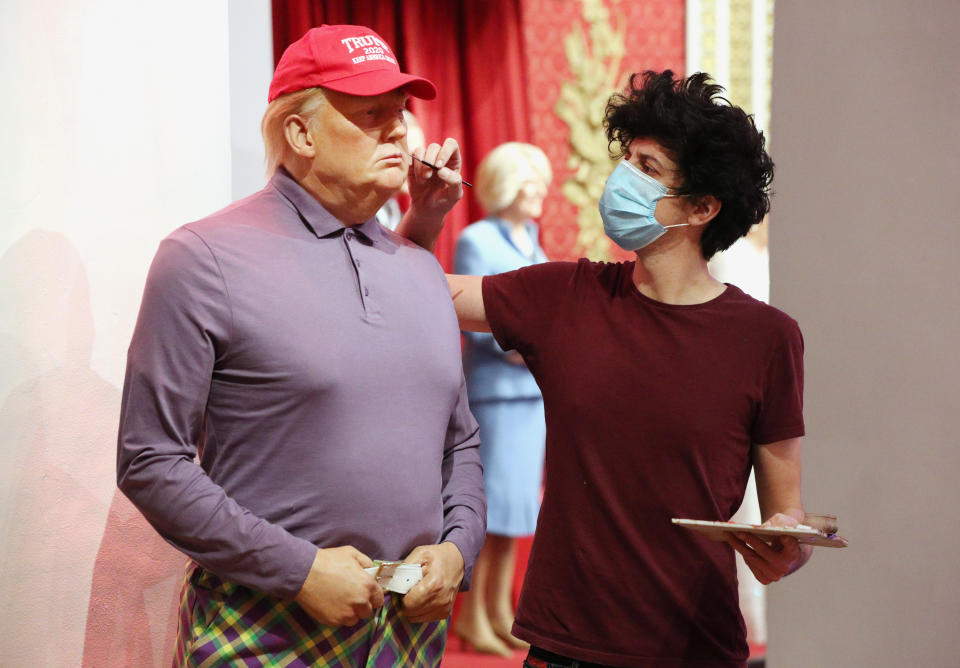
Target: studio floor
column 458, row 655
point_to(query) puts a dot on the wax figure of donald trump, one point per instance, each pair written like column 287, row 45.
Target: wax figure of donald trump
column 311, row 358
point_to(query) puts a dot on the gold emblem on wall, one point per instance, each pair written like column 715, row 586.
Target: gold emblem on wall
column 594, row 59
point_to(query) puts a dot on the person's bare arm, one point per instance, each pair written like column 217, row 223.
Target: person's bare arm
column 433, row 193
column 777, row 466
column 467, row 295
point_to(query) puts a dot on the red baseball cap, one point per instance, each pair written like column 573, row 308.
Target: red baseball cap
column 344, row 58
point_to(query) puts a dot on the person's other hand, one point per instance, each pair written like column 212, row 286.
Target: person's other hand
column 337, row 591
column 769, row 561
column 432, row 598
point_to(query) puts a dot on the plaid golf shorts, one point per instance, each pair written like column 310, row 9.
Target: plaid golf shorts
column 225, row 624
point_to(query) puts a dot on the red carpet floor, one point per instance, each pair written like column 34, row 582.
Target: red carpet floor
column 458, row 656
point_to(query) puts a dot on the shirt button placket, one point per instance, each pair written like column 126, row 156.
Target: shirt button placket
column 350, row 236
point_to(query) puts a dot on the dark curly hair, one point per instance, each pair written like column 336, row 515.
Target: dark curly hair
column 716, row 146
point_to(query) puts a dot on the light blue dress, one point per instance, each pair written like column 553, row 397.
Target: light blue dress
column 504, row 397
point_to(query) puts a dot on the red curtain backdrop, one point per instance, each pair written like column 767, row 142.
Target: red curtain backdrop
column 472, row 51
column 655, row 40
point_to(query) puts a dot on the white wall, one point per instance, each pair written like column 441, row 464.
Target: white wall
column 116, row 127
column 864, row 249
column 251, row 68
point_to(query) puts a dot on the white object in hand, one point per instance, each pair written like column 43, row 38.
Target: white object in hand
column 396, row 576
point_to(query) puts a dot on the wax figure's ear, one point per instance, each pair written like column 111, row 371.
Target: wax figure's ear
column 703, row 209
column 297, row 133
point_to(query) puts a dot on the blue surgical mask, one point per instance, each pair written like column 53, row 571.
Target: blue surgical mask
column 627, row 205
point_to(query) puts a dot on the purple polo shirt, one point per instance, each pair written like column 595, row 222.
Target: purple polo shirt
column 316, row 369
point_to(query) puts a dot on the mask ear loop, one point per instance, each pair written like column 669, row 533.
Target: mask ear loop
column 667, row 227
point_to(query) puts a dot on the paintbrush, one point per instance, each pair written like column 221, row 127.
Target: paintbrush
column 434, row 167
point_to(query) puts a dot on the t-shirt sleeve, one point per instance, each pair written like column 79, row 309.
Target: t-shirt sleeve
column 780, row 415
column 183, row 327
column 522, row 304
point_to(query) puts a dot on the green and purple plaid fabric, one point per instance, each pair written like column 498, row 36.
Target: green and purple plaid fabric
column 225, row 624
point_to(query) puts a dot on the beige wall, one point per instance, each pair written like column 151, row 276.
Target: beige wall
column 865, row 241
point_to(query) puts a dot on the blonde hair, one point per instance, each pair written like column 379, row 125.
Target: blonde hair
column 505, row 170
column 302, row 102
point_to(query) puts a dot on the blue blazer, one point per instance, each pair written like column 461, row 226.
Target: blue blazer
column 485, row 248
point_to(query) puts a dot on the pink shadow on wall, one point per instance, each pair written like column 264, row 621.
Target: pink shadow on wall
column 132, row 616
column 68, row 543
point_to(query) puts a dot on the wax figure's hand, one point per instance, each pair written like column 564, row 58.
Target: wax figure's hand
column 432, row 598
column 433, row 192
column 337, row 591
column 770, row 561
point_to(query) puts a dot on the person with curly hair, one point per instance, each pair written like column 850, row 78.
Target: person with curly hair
column 663, row 387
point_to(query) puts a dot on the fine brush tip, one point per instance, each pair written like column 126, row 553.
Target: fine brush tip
column 434, row 167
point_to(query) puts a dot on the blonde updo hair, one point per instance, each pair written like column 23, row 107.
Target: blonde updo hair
column 303, row 103
column 505, row 170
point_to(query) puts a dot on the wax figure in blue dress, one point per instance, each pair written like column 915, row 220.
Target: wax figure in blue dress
column 511, row 184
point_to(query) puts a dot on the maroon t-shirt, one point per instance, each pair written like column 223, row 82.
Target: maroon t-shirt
column 651, row 412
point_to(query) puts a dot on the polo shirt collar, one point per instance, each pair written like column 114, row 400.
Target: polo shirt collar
column 316, row 218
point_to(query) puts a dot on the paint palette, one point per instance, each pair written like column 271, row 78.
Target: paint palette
column 804, row 534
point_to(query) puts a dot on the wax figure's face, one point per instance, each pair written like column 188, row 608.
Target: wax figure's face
column 360, row 141
column 653, row 160
column 528, row 203
column 530, row 198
